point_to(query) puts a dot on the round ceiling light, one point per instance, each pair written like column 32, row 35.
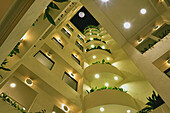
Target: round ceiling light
column 116, row 78
column 97, row 76
column 12, row 85
column 92, row 46
column 81, row 14
column 106, row 84
column 65, row 108
column 108, row 58
column 143, row 11
column 127, row 25
column 128, row 111
column 94, row 57
column 101, row 109
column 104, row 0
column 29, row 82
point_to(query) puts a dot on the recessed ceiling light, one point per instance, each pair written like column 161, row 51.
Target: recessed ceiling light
column 65, row 108
column 94, row 57
column 106, row 84
column 12, row 85
column 91, row 38
column 53, row 112
column 127, row 25
column 92, row 46
column 128, row 111
column 143, row 11
column 104, row 0
column 116, row 78
column 101, row 109
column 97, row 76
column 29, row 82
column 108, row 58
column 81, row 14
column 103, row 47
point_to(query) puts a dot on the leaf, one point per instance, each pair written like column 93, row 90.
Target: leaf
column 60, row 0
column 54, row 6
column 50, row 19
column 5, row 69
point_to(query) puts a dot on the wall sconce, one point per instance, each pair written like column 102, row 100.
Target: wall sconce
column 29, row 82
column 140, row 40
column 156, row 27
column 48, row 54
column 23, row 38
column 59, row 40
column 72, row 75
column 65, row 108
column 75, row 55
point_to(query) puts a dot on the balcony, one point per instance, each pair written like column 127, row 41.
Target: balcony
column 109, row 99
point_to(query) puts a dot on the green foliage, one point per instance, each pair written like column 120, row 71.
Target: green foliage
column 104, row 87
column 15, row 50
column 7, row 99
column 98, row 47
column 103, row 62
column 153, row 102
column 96, row 39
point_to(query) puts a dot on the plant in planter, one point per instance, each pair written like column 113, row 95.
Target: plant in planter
column 153, row 102
column 103, row 62
column 104, row 87
column 47, row 15
column 98, row 47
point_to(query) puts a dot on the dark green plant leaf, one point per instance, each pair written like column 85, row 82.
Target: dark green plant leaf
column 50, row 19
column 54, row 6
column 5, row 69
column 60, row 0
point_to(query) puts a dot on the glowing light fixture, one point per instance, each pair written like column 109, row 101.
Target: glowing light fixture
column 71, row 74
column 127, row 25
column 12, row 85
column 128, row 111
column 143, row 11
column 116, row 78
column 24, row 37
column 75, row 55
column 114, row 64
column 65, row 108
column 91, row 38
column 140, row 40
column 103, row 47
column 94, row 57
column 101, row 109
column 104, row 0
column 23, row 108
column 48, row 54
column 29, row 82
column 81, row 14
column 108, row 58
column 168, row 61
column 53, row 112
column 59, row 40
column 106, row 84
column 92, row 46
column 97, row 75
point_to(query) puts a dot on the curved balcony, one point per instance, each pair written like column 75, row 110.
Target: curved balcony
column 98, row 48
column 95, row 43
column 99, row 54
column 95, row 39
column 106, row 72
column 108, row 99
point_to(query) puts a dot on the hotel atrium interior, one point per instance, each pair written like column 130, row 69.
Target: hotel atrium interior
column 85, row 56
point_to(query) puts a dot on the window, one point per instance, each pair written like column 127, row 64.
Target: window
column 70, row 81
column 75, row 59
column 44, row 59
column 66, row 32
column 69, row 27
column 167, row 72
column 79, row 46
column 80, row 37
column 58, row 42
